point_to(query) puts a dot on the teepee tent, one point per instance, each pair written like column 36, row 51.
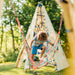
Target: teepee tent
column 41, row 22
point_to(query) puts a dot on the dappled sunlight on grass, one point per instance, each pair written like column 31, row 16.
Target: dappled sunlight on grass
column 6, row 66
column 9, row 69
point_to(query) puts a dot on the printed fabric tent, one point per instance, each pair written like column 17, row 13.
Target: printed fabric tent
column 41, row 22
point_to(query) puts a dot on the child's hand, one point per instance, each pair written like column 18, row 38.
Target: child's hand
column 52, row 44
column 30, row 48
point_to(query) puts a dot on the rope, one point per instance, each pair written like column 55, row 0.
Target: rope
column 25, row 41
column 61, row 22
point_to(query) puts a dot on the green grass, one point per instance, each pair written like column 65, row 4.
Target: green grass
column 9, row 69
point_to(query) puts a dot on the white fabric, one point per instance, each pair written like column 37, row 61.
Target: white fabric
column 26, row 64
column 21, row 57
column 32, row 26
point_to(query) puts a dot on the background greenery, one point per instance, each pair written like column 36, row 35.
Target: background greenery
column 10, row 36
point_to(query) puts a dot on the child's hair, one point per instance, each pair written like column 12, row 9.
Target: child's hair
column 42, row 36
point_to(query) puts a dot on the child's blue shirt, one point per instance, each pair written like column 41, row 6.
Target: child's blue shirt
column 36, row 42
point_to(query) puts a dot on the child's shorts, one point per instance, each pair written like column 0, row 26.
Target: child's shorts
column 34, row 48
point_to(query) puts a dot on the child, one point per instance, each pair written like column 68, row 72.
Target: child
column 37, row 43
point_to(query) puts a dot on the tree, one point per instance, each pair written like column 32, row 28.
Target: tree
column 7, row 13
column 2, row 36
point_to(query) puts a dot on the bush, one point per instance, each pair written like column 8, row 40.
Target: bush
column 1, row 58
column 9, row 56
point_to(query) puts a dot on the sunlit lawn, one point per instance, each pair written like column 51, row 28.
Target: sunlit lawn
column 9, row 69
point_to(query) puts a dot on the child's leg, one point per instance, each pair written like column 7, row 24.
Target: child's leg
column 26, row 70
column 33, row 56
column 34, row 52
column 43, row 50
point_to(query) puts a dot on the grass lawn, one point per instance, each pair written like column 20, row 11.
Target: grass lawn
column 9, row 69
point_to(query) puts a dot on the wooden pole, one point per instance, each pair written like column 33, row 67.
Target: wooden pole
column 69, row 17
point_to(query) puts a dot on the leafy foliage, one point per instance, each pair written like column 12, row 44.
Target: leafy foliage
column 9, row 56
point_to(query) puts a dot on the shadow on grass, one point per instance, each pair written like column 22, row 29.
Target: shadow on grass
column 50, row 73
column 6, row 67
column 46, row 71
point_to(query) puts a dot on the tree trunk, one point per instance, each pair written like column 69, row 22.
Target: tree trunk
column 2, row 37
column 6, row 43
column 13, row 42
column 1, row 5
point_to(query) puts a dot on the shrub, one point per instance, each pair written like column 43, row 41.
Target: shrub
column 9, row 56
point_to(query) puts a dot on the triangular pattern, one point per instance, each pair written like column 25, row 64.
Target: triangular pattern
column 37, row 25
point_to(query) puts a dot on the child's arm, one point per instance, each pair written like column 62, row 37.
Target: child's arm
column 31, row 44
column 50, row 43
